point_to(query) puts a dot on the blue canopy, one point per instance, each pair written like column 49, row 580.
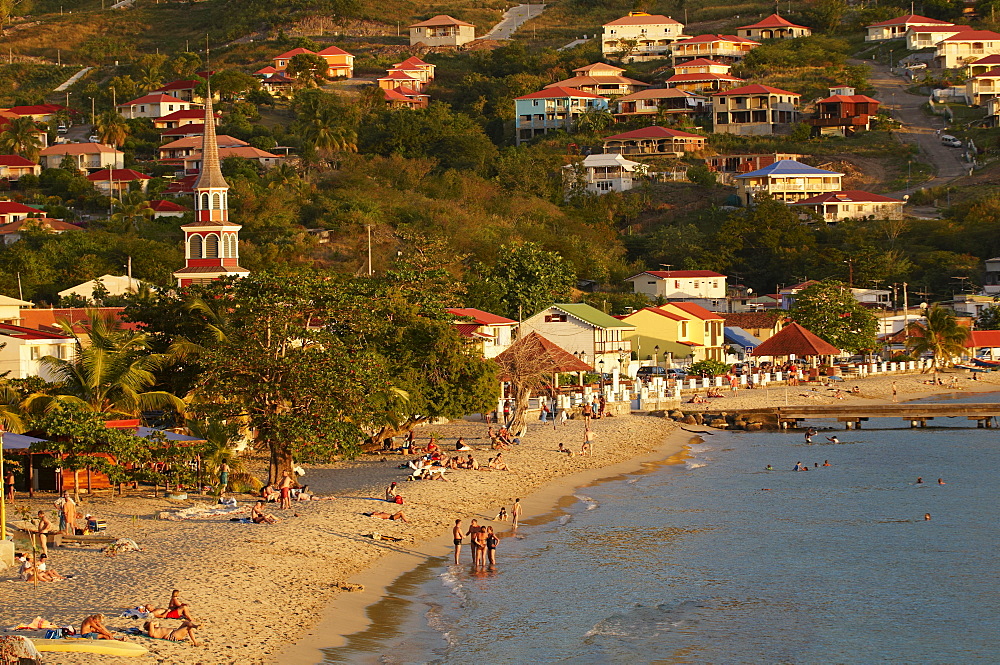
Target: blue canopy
column 13, row 441
column 740, row 337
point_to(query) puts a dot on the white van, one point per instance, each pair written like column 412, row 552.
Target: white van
column 950, row 141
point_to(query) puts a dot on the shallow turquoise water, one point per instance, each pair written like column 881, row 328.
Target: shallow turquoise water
column 718, row 561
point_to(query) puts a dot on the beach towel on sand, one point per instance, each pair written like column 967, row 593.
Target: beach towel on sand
column 37, row 624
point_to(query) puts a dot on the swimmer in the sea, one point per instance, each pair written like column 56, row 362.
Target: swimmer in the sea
column 833, row 439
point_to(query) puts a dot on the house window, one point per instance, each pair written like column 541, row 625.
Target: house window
column 212, row 246
column 170, row 107
column 684, row 329
column 216, row 202
column 36, row 353
column 204, row 201
column 651, row 283
column 142, row 109
column 194, row 247
column 555, row 318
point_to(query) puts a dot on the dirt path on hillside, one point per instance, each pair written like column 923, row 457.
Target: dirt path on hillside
column 918, row 127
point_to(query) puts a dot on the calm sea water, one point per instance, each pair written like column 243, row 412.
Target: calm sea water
column 714, row 560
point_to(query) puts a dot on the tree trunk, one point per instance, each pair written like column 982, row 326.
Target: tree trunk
column 76, row 486
column 518, row 425
column 281, row 460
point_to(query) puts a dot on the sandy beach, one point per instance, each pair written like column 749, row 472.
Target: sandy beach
column 275, row 593
column 259, row 588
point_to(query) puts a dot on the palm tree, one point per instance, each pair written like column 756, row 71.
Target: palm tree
column 594, row 120
column 221, row 439
column 20, row 137
column 131, row 209
column 942, row 336
column 11, row 416
column 151, row 78
column 110, row 371
column 112, row 128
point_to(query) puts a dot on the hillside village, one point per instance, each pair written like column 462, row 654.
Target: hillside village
column 714, row 168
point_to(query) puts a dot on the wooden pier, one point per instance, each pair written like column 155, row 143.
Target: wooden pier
column 852, row 415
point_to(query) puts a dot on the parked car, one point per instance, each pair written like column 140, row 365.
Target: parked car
column 951, row 141
column 676, row 373
column 62, row 129
column 647, row 373
column 94, row 139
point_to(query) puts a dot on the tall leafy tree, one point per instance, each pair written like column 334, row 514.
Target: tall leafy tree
column 20, row 137
column 942, row 336
column 831, row 311
column 989, row 318
column 524, row 279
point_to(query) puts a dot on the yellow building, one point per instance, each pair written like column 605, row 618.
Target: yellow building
column 676, row 331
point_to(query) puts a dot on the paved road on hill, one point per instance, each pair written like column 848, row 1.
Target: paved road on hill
column 513, row 19
column 918, row 127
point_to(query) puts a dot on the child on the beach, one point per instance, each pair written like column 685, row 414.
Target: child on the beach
column 502, row 515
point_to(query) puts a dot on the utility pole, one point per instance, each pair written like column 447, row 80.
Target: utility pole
column 906, row 313
column 368, row 227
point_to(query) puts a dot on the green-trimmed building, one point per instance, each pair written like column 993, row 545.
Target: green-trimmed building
column 586, row 332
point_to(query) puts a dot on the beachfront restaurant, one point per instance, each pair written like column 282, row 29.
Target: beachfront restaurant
column 34, row 473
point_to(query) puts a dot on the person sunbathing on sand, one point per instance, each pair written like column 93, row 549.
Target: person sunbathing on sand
column 498, row 463
column 460, row 445
column 44, row 574
column 184, row 632
column 398, row 517
column 270, row 493
column 93, row 628
column 258, row 516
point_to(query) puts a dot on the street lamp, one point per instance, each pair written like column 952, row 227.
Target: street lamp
column 600, row 376
column 656, row 356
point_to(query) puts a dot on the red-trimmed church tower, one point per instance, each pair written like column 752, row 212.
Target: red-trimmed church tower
column 211, row 243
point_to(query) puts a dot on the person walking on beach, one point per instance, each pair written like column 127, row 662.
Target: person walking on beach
column 894, row 391
column 587, row 412
column 285, row 487
column 515, row 513
column 223, row 477
column 8, row 486
column 457, row 538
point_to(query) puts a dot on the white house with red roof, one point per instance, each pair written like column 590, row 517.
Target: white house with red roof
column 13, row 167
column 88, row 156
column 40, row 133
column 931, row 36
column 154, row 105
column 982, row 65
column 722, row 48
column 184, row 131
column 653, row 101
column 37, row 112
column 190, row 145
column 185, row 90
column 114, row 182
column 441, row 30
column 655, row 140
column 640, row 37
column 851, row 204
column 695, row 285
column 773, row 27
column 492, row 334
column 601, row 174
column 22, row 350
column 754, row 110
column 980, row 88
column 966, row 47
column 600, row 79
column 896, row 28
column 553, row 108
column 11, row 233
column 186, row 117
column 844, row 112
column 163, row 208
column 12, row 211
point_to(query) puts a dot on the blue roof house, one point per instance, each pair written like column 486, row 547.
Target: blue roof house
column 551, row 109
column 786, row 180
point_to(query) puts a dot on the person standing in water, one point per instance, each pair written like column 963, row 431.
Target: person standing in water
column 457, row 537
column 515, row 512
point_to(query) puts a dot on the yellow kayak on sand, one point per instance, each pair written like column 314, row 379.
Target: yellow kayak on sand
column 77, row 645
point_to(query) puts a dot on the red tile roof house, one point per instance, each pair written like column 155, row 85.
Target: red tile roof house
column 660, row 100
column 394, row 79
column 116, row 181
column 40, row 134
column 164, row 208
column 852, row 204
column 441, row 30
column 722, row 48
column 11, row 211
column 178, row 118
column 153, row 106
column 339, row 62
column 654, row 140
column 493, row 334
column 184, row 131
column 89, row 156
column 416, row 68
column 755, row 110
column 773, row 27
column 37, row 112
column 190, row 145
column 13, row 167
column 843, row 115
column 11, row 233
column 22, row 350
column 405, row 97
column 185, row 90
column 896, row 28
